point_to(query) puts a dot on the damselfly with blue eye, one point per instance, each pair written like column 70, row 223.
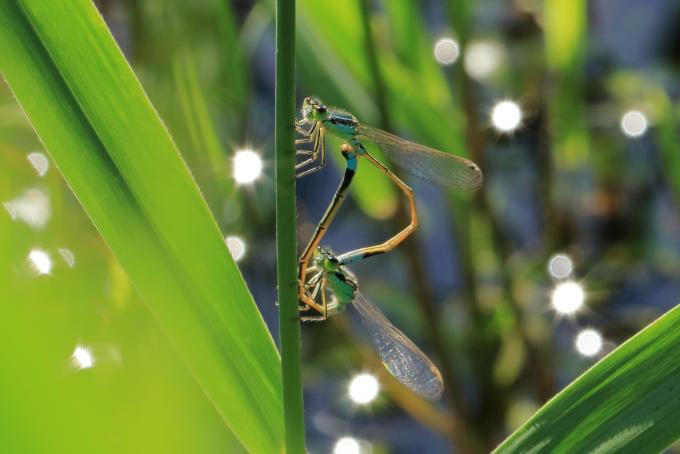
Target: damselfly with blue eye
column 334, row 287
column 428, row 164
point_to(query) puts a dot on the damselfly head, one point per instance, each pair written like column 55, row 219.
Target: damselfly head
column 313, row 109
column 326, row 259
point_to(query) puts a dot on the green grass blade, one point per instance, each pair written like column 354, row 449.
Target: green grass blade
column 204, row 138
column 99, row 127
column 626, row 403
column 197, row 135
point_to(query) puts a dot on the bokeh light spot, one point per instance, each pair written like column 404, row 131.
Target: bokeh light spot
column 247, row 166
column 68, row 256
column 364, row 388
column 41, row 261
column 568, row 297
column 82, row 357
column 32, row 207
column 588, row 342
column 347, row 445
column 483, row 58
column 236, row 246
column 634, row 123
column 446, row 51
column 560, row 266
column 39, row 162
column 506, row 116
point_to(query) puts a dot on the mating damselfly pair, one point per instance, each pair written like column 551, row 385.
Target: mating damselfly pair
column 325, row 285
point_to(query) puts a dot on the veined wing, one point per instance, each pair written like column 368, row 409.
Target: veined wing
column 401, row 357
column 434, row 166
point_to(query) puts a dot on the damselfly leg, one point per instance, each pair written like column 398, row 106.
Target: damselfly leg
column 316, row 156
column 395, row 240
column 316, row 290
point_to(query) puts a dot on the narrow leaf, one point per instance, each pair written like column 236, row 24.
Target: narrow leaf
column 628, row 402
column 99, row 127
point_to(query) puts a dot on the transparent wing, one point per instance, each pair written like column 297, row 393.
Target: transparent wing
column 401, row 357
column 436, row 167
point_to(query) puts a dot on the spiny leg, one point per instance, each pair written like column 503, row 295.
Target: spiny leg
column 319, row 308
column 308, row 135
column 316, row 168
column 323, row 307
column 387, row 246
column 313, row 282
column 313, row 286
column 309, row 303
column 319, row 148
column 319, row 142
column 316, row 289
column 305, row 132
column 323, row 154
column 304, row 163
column 312, row 137
column 324, row 303
column 304, row 173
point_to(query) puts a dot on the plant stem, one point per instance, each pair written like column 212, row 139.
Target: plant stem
column 286, row 247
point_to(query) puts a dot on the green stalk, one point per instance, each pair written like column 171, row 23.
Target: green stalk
column 286, row 247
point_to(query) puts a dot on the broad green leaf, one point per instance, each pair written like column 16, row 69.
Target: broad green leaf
column 197, row 117
column 626, row 403
column 201, row 148
column 100, row 129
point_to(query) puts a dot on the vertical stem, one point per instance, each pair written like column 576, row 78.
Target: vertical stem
column 286, row 247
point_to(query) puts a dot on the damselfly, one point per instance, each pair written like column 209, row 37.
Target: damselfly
column 434, row 166
column 331, row 280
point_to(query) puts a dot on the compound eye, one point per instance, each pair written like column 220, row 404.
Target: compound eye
column 321, row 109
column 333, row 260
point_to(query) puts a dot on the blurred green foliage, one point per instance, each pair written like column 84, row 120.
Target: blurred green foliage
column 139, row 396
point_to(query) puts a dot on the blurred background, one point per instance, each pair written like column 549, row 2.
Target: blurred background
column 571, row 246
